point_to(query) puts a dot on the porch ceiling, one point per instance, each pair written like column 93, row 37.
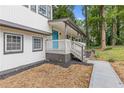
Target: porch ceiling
column 60, row 24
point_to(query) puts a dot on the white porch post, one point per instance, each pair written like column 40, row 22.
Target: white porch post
column 65, row 37
column 78, row 36
column 65, row 32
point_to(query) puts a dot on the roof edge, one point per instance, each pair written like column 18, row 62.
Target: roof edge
column 69, row 22
column 21, row 27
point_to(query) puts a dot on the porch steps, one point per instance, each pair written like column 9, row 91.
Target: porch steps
column 78, row 55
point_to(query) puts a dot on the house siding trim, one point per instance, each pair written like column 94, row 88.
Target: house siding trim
column 21, row 27
column 13, row 71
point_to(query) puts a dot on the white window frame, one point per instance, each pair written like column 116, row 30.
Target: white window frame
column 6, row 51
column 49, row 12
column 40, row 11
column 41, row 46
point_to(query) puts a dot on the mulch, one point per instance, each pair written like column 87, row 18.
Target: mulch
column 50, row 76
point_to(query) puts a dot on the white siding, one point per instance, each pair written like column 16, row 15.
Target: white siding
column 24, row 16
column 8, row 61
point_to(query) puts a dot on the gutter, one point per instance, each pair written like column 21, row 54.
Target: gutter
column 21, row 27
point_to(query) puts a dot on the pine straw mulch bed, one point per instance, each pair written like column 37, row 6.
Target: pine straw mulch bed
column 50, row 76
column 119, row 68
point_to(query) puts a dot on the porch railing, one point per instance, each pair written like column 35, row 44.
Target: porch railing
column 66, row 46
column 58, row 46
column 78, row 49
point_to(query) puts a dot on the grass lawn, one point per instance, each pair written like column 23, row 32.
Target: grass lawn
column 49, row 76
column 115, row 54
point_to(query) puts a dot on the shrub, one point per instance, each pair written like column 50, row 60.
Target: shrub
column 97, row 55
column 108, row 48
column 111, row 60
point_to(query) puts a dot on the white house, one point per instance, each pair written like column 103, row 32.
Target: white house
column 28, row 35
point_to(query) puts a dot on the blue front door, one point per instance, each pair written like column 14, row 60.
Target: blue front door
column 55, row 37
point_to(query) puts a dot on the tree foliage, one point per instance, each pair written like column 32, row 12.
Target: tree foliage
column 114, row 24
column 63, row 11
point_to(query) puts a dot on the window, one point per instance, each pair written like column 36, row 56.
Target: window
column 13, row 43
column 33, row 8
column 37, row 44
column 49, row 12
column 42, row 9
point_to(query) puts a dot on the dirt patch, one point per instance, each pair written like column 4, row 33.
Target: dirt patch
column 50, row 75
column 119, row 68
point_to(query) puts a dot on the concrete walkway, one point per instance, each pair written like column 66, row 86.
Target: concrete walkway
column 104, row 76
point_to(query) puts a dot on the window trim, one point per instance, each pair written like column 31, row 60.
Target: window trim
column 49, row 16
column 45, row 15
column 36, row 50
column 48, row 13
column 13, row 52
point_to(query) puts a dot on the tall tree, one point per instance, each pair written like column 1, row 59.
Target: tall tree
column 63, row 11
column 105, row 27
column 86, row 25
column 118, row 23
column 114, row 27
column 103, row 32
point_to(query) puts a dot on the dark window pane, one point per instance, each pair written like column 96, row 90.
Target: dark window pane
column 42, row 10
column 14, row 39
column 18, row 39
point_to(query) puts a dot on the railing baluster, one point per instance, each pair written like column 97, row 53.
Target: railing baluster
column 78, row 49
column 82, row 53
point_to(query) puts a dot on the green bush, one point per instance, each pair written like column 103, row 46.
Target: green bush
column 97, row 55
column 108, row 48
column 111, row 60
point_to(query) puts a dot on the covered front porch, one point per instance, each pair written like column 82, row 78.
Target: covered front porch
column 66, row 29
column 66, row 40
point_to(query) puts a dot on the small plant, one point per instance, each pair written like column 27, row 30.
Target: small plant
column 108, row 48
column 111, row 60
column 97, row 55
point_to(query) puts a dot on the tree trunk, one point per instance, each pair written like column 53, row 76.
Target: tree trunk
column 114, row 29
column 118, row 25
column 103, row 32
column 86, row 25
column 113, row 34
